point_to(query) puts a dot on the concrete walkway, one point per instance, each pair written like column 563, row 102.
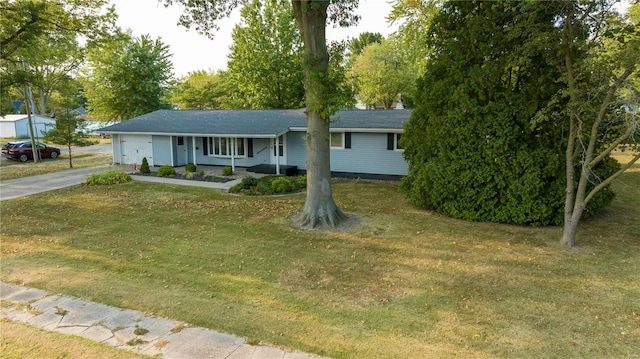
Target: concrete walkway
column 27, row 186
column 127, row 329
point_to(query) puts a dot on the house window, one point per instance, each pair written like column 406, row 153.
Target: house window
column 280, row 146
column 224, row 146
column 336, row 140
column 393, row 142
column 180, row 141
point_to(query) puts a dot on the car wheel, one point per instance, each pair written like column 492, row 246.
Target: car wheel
column 23, row 158
column 54, row 154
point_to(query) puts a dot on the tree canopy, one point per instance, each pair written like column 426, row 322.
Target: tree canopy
column 128, row 77
column 264, row 65
column 384, row 73
column 38, row 43
column 201, row 90
column 471, row 149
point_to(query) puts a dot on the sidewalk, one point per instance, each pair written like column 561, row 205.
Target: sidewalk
column 127, row 329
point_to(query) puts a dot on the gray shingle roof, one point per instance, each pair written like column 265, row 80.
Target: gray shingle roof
column 251, row 123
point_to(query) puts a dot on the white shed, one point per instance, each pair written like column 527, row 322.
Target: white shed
column 18, row 125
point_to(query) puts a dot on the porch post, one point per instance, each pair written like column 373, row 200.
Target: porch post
column 233, row 152
column 171, row 151
column 193, row 148
column 277, row 142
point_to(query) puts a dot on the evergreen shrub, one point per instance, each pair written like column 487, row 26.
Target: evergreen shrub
column 144, row 167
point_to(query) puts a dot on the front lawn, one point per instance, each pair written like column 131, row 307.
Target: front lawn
column 404, row 283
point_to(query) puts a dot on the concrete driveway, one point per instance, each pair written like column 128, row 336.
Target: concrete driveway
column 26, row 186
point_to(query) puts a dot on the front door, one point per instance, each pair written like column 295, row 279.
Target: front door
column 278, row 151
column 181, row 151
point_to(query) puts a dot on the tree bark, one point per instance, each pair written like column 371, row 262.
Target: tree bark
column 319, row 207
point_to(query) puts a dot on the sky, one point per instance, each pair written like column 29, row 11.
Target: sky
column 192, row 51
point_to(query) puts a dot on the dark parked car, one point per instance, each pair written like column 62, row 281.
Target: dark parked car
column 22, row 150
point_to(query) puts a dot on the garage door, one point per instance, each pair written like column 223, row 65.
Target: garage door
column 134, row 147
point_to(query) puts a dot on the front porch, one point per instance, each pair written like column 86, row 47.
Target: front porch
column 271, row 169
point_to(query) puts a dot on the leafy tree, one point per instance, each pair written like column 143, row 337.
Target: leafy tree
column 199, row 90
column 26, row 25
column 264, row 64
column 357, row 45
column 383, row 73
column 324, row 93
column 473, row 152
column 65, row 133
column 601, row 58
column 414, row 17
column 128, row 77
column 51, row 68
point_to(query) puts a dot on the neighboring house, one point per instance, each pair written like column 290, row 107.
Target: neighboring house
column 363, row 143
column 18, row 125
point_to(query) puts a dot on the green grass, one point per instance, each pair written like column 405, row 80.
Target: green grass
column 14, row 169
column 404, row 283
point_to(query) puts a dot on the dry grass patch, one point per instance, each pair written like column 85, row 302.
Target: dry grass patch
column 403, row 283
column 21, row 341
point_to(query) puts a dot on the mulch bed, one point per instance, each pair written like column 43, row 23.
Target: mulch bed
column 196, row 177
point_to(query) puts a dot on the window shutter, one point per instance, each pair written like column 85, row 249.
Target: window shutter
column 250, row 147
column 204, row 146
column 347, row 140
column 390, row 137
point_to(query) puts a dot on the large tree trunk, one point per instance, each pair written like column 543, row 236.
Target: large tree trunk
column 319, row 208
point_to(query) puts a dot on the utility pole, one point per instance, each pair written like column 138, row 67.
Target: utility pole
column 30, row 106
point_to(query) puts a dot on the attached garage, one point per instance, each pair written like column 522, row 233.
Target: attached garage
column 133, row 148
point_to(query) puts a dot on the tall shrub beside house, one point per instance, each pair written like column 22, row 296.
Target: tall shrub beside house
column 483, row 143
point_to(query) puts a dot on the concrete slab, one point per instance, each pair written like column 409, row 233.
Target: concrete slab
column 200, row 343
column 97, row 333
column 263, row 352
column 17, row 293
column 242, row 352
column 47, row 320
column 83, row 313
column 50, row 303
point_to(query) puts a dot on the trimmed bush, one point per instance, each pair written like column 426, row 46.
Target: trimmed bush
column 166, row 171
column 300, row 182
column 108, row 178
column 190, row 168
column 144, row 167
column 269, row 185
column 227, row 171
column 282, row 185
